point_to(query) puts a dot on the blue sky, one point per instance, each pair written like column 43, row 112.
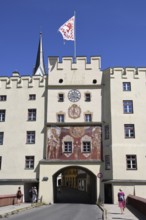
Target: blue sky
column 112, row 29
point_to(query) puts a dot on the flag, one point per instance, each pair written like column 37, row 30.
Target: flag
column 68, row 29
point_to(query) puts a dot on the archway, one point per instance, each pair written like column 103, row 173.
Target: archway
column 74, row 184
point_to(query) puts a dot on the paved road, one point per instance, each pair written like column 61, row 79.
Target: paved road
column 69, row 195
column 61, row 212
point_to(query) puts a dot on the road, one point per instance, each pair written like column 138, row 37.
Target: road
column 61, row 212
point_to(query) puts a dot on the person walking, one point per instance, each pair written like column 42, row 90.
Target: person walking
column 30, row 194
column 34, row 194
column 19, row 195
column 121, row 200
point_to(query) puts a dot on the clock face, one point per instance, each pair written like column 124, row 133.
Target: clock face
column 74, row 95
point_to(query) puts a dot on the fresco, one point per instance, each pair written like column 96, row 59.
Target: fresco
column 57, row 136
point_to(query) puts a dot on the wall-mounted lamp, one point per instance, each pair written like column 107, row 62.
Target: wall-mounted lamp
column 45, row 178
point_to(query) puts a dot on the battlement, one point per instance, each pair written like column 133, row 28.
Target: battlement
column 69, row 63
column 129, row 72
column 17, row 81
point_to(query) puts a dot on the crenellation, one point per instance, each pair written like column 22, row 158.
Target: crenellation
column 74, row 64
column 8, row 83
column 124, row 74
column 115, row 71
column 30, row 83
column 95, row 61
column 81, row 62
column 3, row 82
column 140, row 72
column 20, row 82
column 127, row 72
column 42, row 81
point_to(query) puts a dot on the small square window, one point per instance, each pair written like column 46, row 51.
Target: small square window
column 88, row 118
column 3, row 97
column 131, row 162
column 67, row 147
column 126, row 86
column 31, row 114
column 128, row 106
column 29, row 162
column 2, row 115
column 32, row 97
column 60, row 118
column 30, row 137
column 86, row 146
column 87, row 97
column 1, row 138
column 129, row 131
column 60, row 97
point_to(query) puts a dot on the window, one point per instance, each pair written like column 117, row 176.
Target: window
column 87, row 97
column 2, row 115
column 60, row 118
column 86, row 147
column 128, row 106
column 3, row 97
column 67, row 147
column 1, row 138
column 106, row 131
column 129, row 131
column 0, row 162
column 88, row 118
column 32, row 97
column 94, row 81
column 131, row 162
column 31, row 114
column 29, row 162
column 107, row 162
column 126, row 86
column 60, row 80
column 60, row 97
column 30, row 137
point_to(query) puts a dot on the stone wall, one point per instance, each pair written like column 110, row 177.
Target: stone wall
column 138, row 203
column 8, row 200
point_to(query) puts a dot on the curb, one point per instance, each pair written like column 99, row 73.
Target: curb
column 20, row 210
column 14, row 212
column 104, row 211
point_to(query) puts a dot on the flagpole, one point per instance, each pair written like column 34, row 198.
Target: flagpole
column 75, row 37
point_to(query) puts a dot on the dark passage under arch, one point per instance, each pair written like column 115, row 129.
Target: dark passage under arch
column 74, row 184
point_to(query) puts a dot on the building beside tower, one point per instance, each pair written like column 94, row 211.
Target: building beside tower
column 74, row 129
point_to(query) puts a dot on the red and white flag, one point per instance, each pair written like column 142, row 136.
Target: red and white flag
column 68, row 29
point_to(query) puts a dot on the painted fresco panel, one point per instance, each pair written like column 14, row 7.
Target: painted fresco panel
column 57, row 136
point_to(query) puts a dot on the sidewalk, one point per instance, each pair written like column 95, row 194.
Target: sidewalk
column 5, row 211
column 113, row 212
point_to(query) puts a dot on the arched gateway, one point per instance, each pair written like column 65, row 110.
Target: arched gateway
column 66, row 183
column 74, row 184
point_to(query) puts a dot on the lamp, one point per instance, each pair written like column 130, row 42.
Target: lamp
column 45, row 178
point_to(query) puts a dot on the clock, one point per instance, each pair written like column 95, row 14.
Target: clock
column 74, row 95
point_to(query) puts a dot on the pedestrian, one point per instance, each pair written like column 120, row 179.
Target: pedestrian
column 121, row 200
column 30, row 194
column 19, row 195
column 34, row 194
